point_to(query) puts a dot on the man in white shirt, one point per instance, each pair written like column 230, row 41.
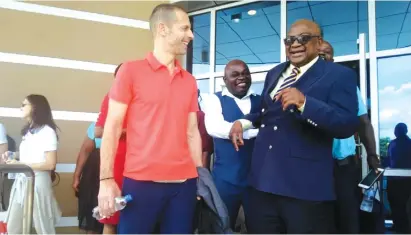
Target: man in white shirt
column 231, row 167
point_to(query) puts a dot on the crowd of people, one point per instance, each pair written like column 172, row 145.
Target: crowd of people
column 285, row 159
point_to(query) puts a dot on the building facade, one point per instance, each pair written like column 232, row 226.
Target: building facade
column 372, row 37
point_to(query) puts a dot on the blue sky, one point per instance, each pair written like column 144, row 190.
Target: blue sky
column 394, row 89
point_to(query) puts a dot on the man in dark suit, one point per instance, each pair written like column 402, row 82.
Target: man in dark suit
column 306, row 102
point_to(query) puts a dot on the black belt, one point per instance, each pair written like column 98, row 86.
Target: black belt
column 350, row 160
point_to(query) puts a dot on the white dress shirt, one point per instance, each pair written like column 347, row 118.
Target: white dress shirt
column 215, row 124
column 247, row 124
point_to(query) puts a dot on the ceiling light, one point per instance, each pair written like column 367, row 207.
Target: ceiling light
column 236, row 18
column 252, row 12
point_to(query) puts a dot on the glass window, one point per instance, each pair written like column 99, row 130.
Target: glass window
column 393, row 24
column 257, row 87
column 199, row 55
column 203, row 85
column 394, row 95
column 341, row 21
column 250, row 33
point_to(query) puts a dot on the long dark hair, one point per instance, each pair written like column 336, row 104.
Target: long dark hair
column 40, row 114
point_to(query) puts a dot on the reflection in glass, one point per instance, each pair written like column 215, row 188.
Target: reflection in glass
column 393, row 24
column 203, row 85
column 340, row 21
column 201, row 44
column 257, row 87
column 250, row 33
column 394, row 84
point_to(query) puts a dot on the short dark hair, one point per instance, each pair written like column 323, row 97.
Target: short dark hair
column 163, row 12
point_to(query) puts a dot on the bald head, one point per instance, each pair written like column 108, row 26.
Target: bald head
column 234, row 63
column 237, row 78
column 326, row 51
column 314, row 27
column 164, row 13
column 302, row 42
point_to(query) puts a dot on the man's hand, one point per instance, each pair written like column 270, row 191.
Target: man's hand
column 236, row 135
column 290, row 96
column 76, row 182
column 108, row 192
column 374, row 162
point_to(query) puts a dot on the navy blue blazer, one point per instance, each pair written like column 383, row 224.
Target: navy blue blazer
column 293, row 151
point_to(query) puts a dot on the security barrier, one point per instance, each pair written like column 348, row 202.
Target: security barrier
column 29, row 194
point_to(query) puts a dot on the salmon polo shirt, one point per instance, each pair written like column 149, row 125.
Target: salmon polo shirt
column 159, row 104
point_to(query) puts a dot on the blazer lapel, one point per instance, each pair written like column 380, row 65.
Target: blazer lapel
column 274, row 78
column 311, row 76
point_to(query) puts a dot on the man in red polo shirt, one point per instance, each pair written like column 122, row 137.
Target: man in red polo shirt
column 110, row 224
column 163, row 141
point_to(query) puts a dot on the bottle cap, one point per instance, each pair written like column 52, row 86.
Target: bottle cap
column 128, row 198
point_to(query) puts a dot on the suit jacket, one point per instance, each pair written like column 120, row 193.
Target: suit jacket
column 293, row 151
column 212, row 214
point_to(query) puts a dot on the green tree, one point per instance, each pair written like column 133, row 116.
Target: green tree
column 384, row 142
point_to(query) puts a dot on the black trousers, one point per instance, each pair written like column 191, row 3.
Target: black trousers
column 347, row 211
column 399, row 192
column 269, row 213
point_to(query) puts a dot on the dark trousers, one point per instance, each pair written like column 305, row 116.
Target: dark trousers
column 347, row 213
column 398, row 192
column 233, row 197
column 269, row 213
column 170, row 206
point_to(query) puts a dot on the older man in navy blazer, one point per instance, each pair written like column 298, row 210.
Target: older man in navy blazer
column 306, row 102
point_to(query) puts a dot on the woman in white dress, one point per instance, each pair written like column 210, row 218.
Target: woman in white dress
column 38, row 149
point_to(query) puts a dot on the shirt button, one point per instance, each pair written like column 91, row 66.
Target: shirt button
column 262, row 125
column 275, row 128
column 262, row 110
column 270, row 147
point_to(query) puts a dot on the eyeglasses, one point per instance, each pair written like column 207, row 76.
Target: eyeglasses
column 301, row 39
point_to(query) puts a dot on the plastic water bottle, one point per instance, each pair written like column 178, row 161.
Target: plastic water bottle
column 10, row 156
column 368, row 200
column 119, row 204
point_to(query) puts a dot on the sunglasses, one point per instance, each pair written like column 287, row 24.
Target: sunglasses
column 301, row 39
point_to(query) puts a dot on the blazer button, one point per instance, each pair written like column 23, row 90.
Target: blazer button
column 270, row 147
column 275, row 128
column 262, row 110
column 262, row 125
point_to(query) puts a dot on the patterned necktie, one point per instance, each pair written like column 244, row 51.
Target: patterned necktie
column 290, row 80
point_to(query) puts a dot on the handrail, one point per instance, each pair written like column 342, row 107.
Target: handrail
column 399, row 172
column 29, row 194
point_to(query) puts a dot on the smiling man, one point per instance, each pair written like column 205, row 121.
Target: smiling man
column 306, row 102
column 159, row 99
column 221, row 110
